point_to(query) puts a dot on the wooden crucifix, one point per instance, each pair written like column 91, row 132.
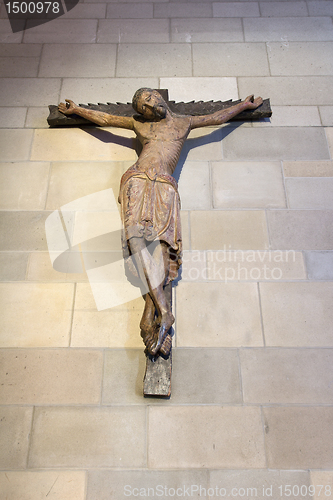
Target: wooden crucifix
column 149, row 199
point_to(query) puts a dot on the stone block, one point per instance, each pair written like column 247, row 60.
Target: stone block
column 255, row 265
column 87, row 11
column 322, row 480
column 57, row 376
column 306, row 58
column 20, row 49
column 36, row 118
column 74, row 60
column 35, row 314
column 201, row 88
column 308, row 168
column 300, row 229
column 13, row 117
column 309, row 192
column 289, row 90
column 299, row 437
column 15, row 144
column 283, row 9
column 234, row 229
column 29, row 91
column 130, row 10
column 40, row 269
column 205, row 437
column 319, row 265
column 329, row 135
column 292, row 143
column 218, row 315
column 320, row 8
column 206, row 30
column 83, row 145
column 185, row 223
column 104, row 89
column 287, row 376
column 24, row 230
column 297, row 314
column 182, row 9
column 247, row 185
column 6, row 34
column 194, row 185
column 291, row 116
column 236, row 9
column 132, row 30
column 19, row 66
column 23, row 185
column 326, row 113
column 13, row 266
column 62, row 31
column 194, row 266
column 113, row 484
column 88, row 437
column 164, row 60
column 293, row 29
column 30, row 485
column 14, row 437
column 203, row 144
column 208, row 59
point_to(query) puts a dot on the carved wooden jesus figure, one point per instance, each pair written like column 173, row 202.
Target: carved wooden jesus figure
column 149, row 198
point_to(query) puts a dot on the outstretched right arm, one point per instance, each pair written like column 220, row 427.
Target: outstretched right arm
column 102, row 119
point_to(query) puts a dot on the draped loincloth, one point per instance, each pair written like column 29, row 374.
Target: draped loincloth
column 150, row 209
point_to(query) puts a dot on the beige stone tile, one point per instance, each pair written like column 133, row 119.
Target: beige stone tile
column 283, row 9
column 70, row 181
column 29, row 91
column 320, row 8
column 257, row 483
column 310, row 192
column 329, row 135
column 194, row 266
column 322, row 480
column 104, row 89
column 290, row 90
column 14, row 438
column 297, row 314
column 30, row 485
column 303, row 29
column 82, row 145
column 300, row 229
column 20, row 49
column 114, row 327
column 130, row 10
column 203, row 144
column 13, row 266
column 217, row 230
column 6, row 34
column 207, row 60
column 75, row 60
column 13, row 117
column 194, row 185
column 19, row 66
column 184, row 220
column 36, row 118
column 308, row 168
column 88, row 437
column 326, row 113
column 236, row 9
column 218, row 315
column 255, row 265
column 24, row 230
column 23, row 186
column 306, row 58
column 201, row 88
column 247, row 184
column 319, row 265
column 63, row 31
column 276, row 143
column 291, row 116
column 299, row 438
column 40, row 269
column 206, row 30
column 132, row 30
column 196, row 377
column 205, row 437
column 15, row 144
column 164, row 59
column 87, row 11
column 36, row 315
column 287, row 376
column 57, row 376
column 111, row 484
column 182, row 9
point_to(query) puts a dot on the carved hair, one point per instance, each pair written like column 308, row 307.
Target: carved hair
column 137, row 96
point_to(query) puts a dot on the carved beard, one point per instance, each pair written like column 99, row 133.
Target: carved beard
column 160, row 111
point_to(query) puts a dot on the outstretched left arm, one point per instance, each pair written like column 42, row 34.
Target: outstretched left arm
column 220, row 117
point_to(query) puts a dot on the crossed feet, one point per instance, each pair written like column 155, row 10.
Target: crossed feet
column 155, row 334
